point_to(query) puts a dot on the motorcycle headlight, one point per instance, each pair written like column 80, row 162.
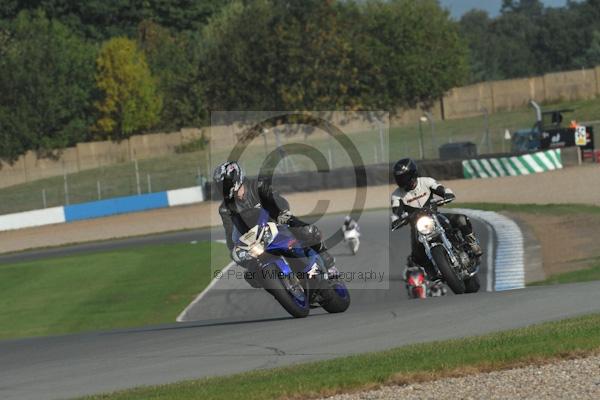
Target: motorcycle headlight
column 425, row 225
column 267, row 235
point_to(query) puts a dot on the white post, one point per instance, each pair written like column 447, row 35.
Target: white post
column 149, row 183
column 99, row 188
column 381, row 140
column 66, row 187
column 44, row 198
column 421, row 147
column 137, row 177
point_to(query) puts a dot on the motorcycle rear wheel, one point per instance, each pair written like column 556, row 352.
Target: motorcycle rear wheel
column 443, row 264
column 336, row 297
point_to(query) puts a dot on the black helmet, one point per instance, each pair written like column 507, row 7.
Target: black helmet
column 405, row 174
column 229, row 177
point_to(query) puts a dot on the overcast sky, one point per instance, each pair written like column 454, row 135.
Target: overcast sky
column 459, row 7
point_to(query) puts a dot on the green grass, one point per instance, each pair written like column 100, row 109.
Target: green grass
column 181, row 170
column 541, row 209
column 584, row 275
column 404, row 364
column 103, row 290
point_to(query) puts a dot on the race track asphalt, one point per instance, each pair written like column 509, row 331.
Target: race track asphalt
column 239, row 330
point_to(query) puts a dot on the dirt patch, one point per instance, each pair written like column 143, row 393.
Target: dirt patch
column 568, row 242
column 576, row 185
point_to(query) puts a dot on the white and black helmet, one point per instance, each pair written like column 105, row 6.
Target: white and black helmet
column 229, row 178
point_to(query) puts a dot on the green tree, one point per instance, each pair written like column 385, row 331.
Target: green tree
column 530, row 39
column 46, row 86
column 416, row 49
column 102, row 19
column 130, row 102
column 174, row 59
column 323, row 55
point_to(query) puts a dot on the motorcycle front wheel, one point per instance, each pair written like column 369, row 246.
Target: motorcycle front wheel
column 288, row 291
column 472, row 284
column 442, row 262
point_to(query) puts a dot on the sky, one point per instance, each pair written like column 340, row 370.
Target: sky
column 459, row 7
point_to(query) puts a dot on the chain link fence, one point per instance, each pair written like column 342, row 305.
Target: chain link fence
column 138, row 177
column 421, row 140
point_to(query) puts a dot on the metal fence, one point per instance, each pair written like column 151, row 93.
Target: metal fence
column 147, row 176
column 421, row 140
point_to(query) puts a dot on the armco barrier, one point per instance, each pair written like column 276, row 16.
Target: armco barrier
column 524, row 164
column 101, row 208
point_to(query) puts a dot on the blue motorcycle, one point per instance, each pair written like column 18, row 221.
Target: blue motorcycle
column 295, row 275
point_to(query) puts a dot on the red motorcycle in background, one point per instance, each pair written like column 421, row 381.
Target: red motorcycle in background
column 419, row 287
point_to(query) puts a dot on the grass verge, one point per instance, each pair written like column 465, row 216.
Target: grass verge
column 584, row 275
column 103, row 290
column 536, row 344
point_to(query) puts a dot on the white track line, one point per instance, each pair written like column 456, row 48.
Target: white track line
column 181, row 316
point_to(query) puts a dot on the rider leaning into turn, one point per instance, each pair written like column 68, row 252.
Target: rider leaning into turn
column 349, row 224
column 243, row 194
column 412, row 194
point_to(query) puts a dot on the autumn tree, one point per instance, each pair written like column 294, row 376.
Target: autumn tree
column 173, row 58
column 46, row 86
column 130, row 102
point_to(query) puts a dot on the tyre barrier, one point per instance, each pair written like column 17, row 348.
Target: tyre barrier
column 525, row 164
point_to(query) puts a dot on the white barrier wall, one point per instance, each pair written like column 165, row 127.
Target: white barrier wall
column 181, row 197
column 101, row 208
column 28, row 219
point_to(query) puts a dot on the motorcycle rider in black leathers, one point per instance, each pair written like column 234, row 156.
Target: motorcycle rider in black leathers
column 242, row 196
column 412, row 194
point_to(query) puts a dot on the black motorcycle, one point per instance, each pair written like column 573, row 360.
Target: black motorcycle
column 451, row 256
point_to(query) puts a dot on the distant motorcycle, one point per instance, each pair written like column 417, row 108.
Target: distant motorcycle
column 419, row 287
column 294, row 275
column 451, row 256
column 352, row 238
column 416, row 284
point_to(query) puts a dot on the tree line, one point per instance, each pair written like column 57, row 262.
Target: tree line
column 528, row 39
column 107, row 69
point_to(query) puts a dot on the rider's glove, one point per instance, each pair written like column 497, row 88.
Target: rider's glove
column 284, row 217
column 401, row 221
column 449, row 196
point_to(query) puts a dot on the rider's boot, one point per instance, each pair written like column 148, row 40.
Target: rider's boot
column 474, row 244
column 329, row 262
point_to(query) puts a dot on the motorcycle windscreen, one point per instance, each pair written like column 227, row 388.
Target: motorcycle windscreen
column 249, row 218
